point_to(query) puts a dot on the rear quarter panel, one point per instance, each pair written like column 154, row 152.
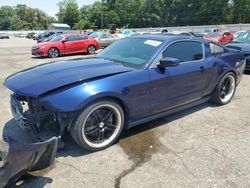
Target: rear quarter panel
column 230, row 61
column 219, row 65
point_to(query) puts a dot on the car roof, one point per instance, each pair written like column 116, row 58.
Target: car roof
column 67, row 35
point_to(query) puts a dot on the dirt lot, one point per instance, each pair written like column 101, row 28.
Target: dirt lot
column 206, row 146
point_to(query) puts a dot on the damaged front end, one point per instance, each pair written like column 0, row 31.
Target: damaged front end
column 40, row 128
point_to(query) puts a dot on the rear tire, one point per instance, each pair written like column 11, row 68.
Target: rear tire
column 53, row 52
column 225, row 90
column 98, row 126
column 91, row 49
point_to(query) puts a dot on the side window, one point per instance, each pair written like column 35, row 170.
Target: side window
column 185, row 51
column 104, row 36
column 71, row 38
column 109, row 36
column 215, row 49
column 81, row 37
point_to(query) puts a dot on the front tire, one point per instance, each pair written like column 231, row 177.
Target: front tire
column 98, row 126
column 225, row 90
column 53, row 52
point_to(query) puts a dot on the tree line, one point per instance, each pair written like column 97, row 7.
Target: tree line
column 157, row 13
column 22, row 17
column 129, row 13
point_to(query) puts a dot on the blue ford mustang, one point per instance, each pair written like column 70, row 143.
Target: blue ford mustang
column 133, row 81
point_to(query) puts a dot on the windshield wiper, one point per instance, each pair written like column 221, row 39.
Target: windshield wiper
column 105, row 58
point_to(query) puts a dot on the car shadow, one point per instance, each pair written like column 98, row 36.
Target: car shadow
column 73, row 150
column 164, row 120
column 31, row 181
column 38, row 57
column 247, row 72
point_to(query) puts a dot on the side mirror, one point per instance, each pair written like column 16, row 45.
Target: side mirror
column 168, row 62
column 64, row 40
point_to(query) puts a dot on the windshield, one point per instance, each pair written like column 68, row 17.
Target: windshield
column 51, row 37
column 131, row 52
column 95, row 34
column 214, row 35
column 56, row 39
column 243, row 37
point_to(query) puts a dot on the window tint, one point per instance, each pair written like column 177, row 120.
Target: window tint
column 215, row 49
column 56, row 39
column 104, row 36
column 76, row 37
column 185, row 51
column 109, row 35
column 80, row 37
column 131, row 52
column 71, row 38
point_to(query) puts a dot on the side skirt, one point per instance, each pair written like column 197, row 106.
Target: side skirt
column 168, row 112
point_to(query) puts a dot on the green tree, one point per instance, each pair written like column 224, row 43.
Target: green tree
column 238, row 11
column 7, row 14
column 82, row 24
column 68, row 12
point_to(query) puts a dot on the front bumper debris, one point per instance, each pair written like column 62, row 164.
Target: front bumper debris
column 17, row 158
column 31, row 139
column 21, row 151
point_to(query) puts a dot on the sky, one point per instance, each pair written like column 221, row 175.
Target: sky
column 48, row 6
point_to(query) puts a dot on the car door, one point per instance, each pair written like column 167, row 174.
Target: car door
column 103, row 40
column 81, row 43
column 181, row 84
column 110, row 39
column 70, row 44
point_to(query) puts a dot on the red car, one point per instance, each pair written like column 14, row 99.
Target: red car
column 66, row 44
column 220, row 38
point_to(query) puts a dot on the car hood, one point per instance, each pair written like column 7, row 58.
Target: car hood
column 39, row 80
column 244, row 47
column 41, row 43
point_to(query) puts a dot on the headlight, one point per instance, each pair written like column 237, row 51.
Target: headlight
column 41, row 47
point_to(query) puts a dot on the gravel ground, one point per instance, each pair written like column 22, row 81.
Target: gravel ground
column 206, row 146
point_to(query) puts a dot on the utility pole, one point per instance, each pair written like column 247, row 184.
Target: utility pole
column 102, row 21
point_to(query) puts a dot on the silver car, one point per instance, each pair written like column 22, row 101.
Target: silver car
column 104, row 39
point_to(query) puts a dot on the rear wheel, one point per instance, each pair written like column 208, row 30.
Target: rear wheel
column 53, row 52
column 225, row 90
column 91, row 49
column 98, row 126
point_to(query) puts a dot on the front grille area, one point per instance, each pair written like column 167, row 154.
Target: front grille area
column 29, row 111
column 36, row 118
